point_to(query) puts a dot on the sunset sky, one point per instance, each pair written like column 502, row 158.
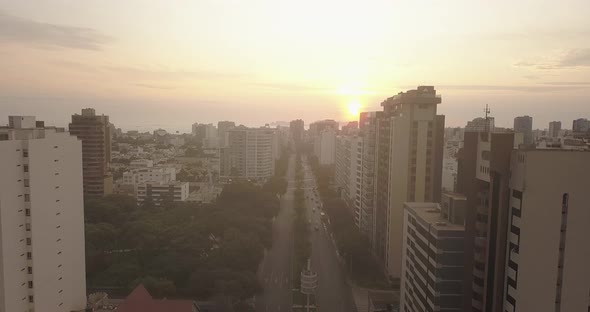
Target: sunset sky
column 171, row 63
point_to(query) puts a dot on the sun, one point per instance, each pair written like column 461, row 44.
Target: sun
column 353, row 108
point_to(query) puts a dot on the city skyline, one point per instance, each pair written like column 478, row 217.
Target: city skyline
column 149, row 65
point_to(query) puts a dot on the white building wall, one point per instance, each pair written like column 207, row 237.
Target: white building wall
column 539, row 181
column 56, row 224
column 325, row 147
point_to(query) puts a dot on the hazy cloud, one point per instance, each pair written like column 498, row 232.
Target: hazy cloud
column 577, row 57
column 289, row 87
column 150, row 86
column 22, row 30
column 146, row 73
column 542, row 87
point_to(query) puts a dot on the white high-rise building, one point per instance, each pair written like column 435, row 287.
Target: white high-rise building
column 416, row 140
column 349, row 172
column 324, row 146
column 42, row 263
column 250, row 153
column 547, row 253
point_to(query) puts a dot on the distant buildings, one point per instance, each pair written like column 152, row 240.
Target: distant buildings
column 324, row 146
column 42, row 267
column 141, row 301
column 581, row 128
column 368, row 131
column 94, row 132
column 481, row 125
column 296, row 129
column 317, row 127
column 524, row 125
column 222, row 128
column 161, row 192
column 250, row 153
column 554, row 129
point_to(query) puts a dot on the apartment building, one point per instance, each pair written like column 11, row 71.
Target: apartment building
column 410, row 152
column 161, row 192
column 42, row 264
column 368, row 131
column 296, row 130
column 250, row 153
column 547, row 250
column 524, row 125
column 348, row 171
column 222, row 128
column 480, row 124
column 94, row 132
column 483, row 177
column 324, row 146
column 432, row 270
column 554, row 129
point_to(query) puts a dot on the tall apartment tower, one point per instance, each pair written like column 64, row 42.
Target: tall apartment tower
column 554, row 129
column 413, row 146
column 348, row 171
column 94, row 132
column 483, row 177
column 42, row 266
column 296, row 129
column 548, row 252
column 524, row 125
column 368, row 131
column 250, row 153
column 222, row 128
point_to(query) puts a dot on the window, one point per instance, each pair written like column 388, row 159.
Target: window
column 25, row 153
column 27, row 198
column 26, row 182
column 30, row 284
column 29, row 255
column 30, row 298
column 28, row 212
column 26, row 168
column 28, row 241
column 30, row 270
column 28, row 226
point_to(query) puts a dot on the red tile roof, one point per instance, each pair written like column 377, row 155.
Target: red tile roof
column 140, row 300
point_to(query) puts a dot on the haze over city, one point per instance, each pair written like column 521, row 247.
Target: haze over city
column 159, row 63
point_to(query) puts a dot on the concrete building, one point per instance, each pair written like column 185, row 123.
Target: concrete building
column 411, row 152
column 554, row 129
column 42, row 264
column 160, row 192
column 348, row 171
column 368, row 131
column 142, row 175
column 581, row 128
column 350, row 128
column 222, row 128
column 548, row 252
column 432, row 270
column 324, row 146
column 483, row 177
column 524, row 125
column 318, row 127
column 94, row 132
column 481, row 125
column 250, row 153
column 296, row 130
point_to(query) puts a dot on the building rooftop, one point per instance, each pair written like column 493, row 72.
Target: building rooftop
column 431, row 214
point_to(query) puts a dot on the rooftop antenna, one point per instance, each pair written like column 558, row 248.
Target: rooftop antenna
column 487, row 112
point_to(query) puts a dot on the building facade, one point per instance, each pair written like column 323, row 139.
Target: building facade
column 348, row 171
column 481, row 125
column 524, row 125
column 548, row 251
column 222, row 128
column 368, row 131
column 554, row 129
column 414, row 153
column 250, row 153
column 324, row 146
column 42, row 262
column 432, row 270
column 161, row 192
column 94, row 132
column 296, row 130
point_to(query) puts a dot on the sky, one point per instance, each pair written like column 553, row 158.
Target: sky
column 150, row 64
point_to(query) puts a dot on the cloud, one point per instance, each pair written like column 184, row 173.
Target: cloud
column 570, row 59
column 150, row 86
column 166, row 74
column 46, row 35
column 289, row 87
column 536, row 88
column 576, row 57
